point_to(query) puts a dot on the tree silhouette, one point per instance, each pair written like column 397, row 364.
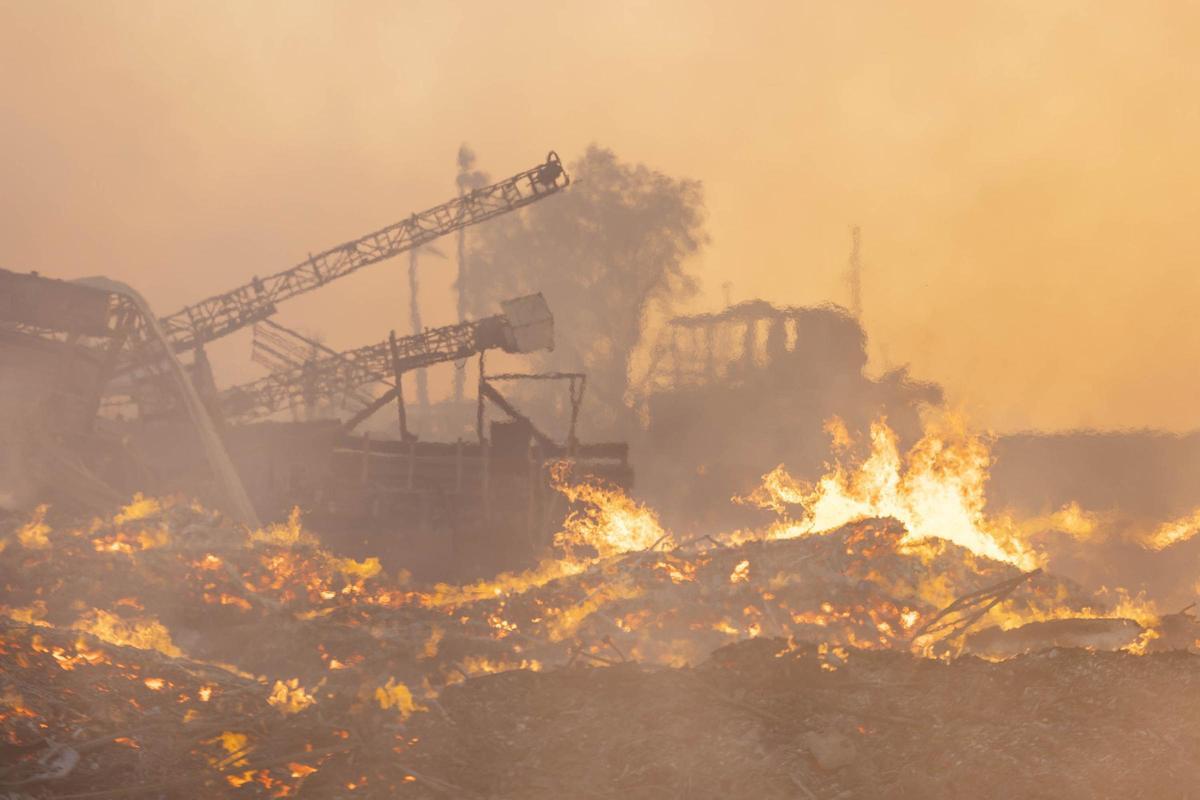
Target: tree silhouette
column 604, row 253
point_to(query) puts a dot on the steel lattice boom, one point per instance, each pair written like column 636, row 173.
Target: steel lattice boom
column 279, row 349
column 525, row 326
column 222, row 314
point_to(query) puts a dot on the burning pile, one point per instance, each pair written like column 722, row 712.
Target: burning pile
column 163, row 650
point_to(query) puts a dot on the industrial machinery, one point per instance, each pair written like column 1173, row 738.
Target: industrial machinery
column 278, row 348
column 488, row 501
column 525, row 326
column 59, row 344
column 190, row 328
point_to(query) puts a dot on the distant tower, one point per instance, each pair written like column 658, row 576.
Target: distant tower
column 854, row 273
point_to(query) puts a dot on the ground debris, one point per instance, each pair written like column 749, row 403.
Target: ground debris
column 166, row 653
column 1063, row 723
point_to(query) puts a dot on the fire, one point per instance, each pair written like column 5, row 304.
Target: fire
column 32, row 614
column 472, row 666
column 612, row 522
column 357, row 571
column 912, row 539
column 236, row 745
column 677, row 570
column 34, row 534
column 394, row 694
column 145, row 634
column 1174, row 532
column 141, row 507
column 936, row 491
column 565, row 622
column 288, row 533
column 290, row 697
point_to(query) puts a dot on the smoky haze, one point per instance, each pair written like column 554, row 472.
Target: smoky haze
column 1024, row 173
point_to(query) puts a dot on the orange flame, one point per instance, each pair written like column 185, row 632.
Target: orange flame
column 936, row 491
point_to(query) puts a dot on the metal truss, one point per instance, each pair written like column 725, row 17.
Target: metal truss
column 220, row 315
column 330, row 376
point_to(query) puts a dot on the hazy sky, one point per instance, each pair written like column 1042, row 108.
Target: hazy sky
column 1025, row 173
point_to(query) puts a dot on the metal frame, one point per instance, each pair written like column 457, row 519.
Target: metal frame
column 220, row 315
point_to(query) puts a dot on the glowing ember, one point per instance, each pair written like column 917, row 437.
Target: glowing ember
column 290, row 697
column 146, row 634
column 140, row 508
column 394, row 695
column 34, row 534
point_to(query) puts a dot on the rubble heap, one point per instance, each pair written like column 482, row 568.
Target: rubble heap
column 166, row 651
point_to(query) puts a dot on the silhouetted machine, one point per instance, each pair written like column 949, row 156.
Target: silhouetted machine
column 198, row 324
column 525, row 326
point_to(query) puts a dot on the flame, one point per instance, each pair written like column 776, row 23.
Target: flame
column 936, row 491
column 394, row 694
column 141, row 507
column 608, row 596
column 612, row 522
column 32, row 614
column 290, row 697
column 472, row 666
column 1174, row 532
column 144, row 634
column 286, row 534
column 563, row 623
column 236, row 745
column 34, row 534
column 1071, row 519
column 357, row 571
column 609, row 524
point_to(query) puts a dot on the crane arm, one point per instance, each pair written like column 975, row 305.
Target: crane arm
column 222, row 314
column 526, row 325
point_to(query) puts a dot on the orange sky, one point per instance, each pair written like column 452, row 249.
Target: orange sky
column 1024, row 172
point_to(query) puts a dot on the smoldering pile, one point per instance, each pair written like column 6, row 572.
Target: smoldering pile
column 164, row 649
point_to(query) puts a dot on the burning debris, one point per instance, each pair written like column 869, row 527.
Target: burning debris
column 887, row 634
column 164, row 650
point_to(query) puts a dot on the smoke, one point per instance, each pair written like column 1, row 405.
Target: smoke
column 1022, row 172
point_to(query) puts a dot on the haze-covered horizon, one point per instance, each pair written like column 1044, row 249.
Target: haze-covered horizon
column 1021, row 174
